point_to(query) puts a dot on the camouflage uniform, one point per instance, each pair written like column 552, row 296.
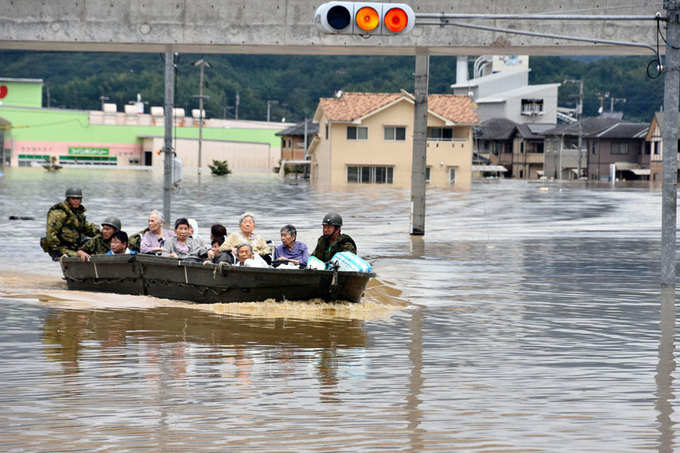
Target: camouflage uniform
column 67, row 229
column 97, row 245
column 325, row 249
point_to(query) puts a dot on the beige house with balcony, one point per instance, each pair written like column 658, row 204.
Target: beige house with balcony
column 367, row 138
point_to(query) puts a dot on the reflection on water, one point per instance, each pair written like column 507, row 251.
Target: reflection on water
column 529, row 318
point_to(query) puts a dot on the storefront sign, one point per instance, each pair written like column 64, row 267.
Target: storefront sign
column 87, row 151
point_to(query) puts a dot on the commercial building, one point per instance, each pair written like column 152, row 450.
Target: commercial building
column 32, row 134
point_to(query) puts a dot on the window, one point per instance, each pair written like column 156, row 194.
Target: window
column 619, row 148
column 532, row 106
column 427, row 174
column 440, row 133
column 370, row 174
column 395, row 133
column 452, row 175
column 357, row 133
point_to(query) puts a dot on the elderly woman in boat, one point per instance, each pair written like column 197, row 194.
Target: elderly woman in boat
column 155, row 235
column 247, row 235
column 182, row 245
column 290, row 251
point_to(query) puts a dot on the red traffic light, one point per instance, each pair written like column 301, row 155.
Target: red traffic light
column 364, row 18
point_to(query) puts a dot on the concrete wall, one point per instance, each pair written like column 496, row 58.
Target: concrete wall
column 241, row 156
column 286, row 27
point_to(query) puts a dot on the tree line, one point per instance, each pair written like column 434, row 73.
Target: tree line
column 295, row 83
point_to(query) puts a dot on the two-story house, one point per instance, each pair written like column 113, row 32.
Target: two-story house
column 623, row 146
column 367, row 138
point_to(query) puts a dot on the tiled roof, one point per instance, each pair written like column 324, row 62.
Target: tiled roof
column 625, row 130
column 299, row 129
column 591, row 126
column 352, row 106
column 495, row 129
column 456, row 108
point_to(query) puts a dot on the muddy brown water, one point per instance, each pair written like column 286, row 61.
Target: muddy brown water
column 529, row 318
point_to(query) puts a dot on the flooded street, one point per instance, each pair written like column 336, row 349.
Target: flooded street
column 528, row 318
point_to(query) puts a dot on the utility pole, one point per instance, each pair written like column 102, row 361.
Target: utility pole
column 238, row 100
column 201, row 64
column 419, row 144
column 168, row 119
column 580, row 126
column 269, row 107
column 669, row 189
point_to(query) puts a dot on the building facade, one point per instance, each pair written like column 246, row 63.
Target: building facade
column 367, row 138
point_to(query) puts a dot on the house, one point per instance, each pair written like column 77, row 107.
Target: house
column 367, row 138
column 293, row 140
column 654, row 148
column 494, row 139
column 508, row 95
column 562, row 159
column 623, row 146
column 528, row 150
column 517, row 147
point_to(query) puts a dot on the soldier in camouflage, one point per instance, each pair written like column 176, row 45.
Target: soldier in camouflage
column 100, row 244
column 67, row 227
column 333, row 241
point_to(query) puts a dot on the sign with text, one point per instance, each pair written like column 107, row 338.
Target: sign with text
column 87, row 151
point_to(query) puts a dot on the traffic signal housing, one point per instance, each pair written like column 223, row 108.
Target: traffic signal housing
column 364, row 18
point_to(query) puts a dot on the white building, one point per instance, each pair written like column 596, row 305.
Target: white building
column 507, row 94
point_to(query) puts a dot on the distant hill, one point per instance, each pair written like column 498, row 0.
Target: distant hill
column 77, row 80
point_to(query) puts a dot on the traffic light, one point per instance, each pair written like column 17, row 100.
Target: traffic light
column 360, row 18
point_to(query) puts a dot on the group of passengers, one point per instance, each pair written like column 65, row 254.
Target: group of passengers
column 70, row 234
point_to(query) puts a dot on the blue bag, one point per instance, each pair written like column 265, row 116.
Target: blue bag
column 348, row 261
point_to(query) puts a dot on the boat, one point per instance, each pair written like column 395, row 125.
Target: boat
column 178, row 279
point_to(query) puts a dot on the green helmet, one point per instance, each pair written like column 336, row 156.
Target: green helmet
column 74, row 192
column 112, row 222
column 332, row 218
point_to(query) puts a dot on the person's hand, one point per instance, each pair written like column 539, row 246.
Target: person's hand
column 296, row 262
column 84, row 256
column 157, row 249
column 211, row 254
column 207, row 262
column 173, row 255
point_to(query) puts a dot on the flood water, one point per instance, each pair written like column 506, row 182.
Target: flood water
column 529, row 318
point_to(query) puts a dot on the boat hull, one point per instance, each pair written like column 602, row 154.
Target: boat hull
column 182, row 280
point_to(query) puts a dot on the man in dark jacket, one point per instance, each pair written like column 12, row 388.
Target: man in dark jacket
column 67, row 227
column 333, row 241
column 101, row 243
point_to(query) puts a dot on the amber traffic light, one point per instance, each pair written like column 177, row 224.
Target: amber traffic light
column 364, row 18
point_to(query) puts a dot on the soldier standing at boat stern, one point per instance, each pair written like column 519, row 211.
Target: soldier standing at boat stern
column 333, row 241
column 67, row 227
column 100, row 244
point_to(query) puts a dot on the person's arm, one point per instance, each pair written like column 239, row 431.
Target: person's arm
column 55, row 221
column 168, row 249
column 147, row 246
column 319, row 250
column 261, row 247
column 229, row 243
column 348, row 245
column 91, row 229
column 305, row 254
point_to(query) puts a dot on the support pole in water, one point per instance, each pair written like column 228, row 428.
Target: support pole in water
column 168, row 117
column 419, row 144
column 669, row 189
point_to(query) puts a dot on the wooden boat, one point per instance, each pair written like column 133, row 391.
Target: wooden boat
column 183, row 280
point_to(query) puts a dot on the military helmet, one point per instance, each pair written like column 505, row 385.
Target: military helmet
column 332, row 218
column 113, row 222
column 74, row 192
